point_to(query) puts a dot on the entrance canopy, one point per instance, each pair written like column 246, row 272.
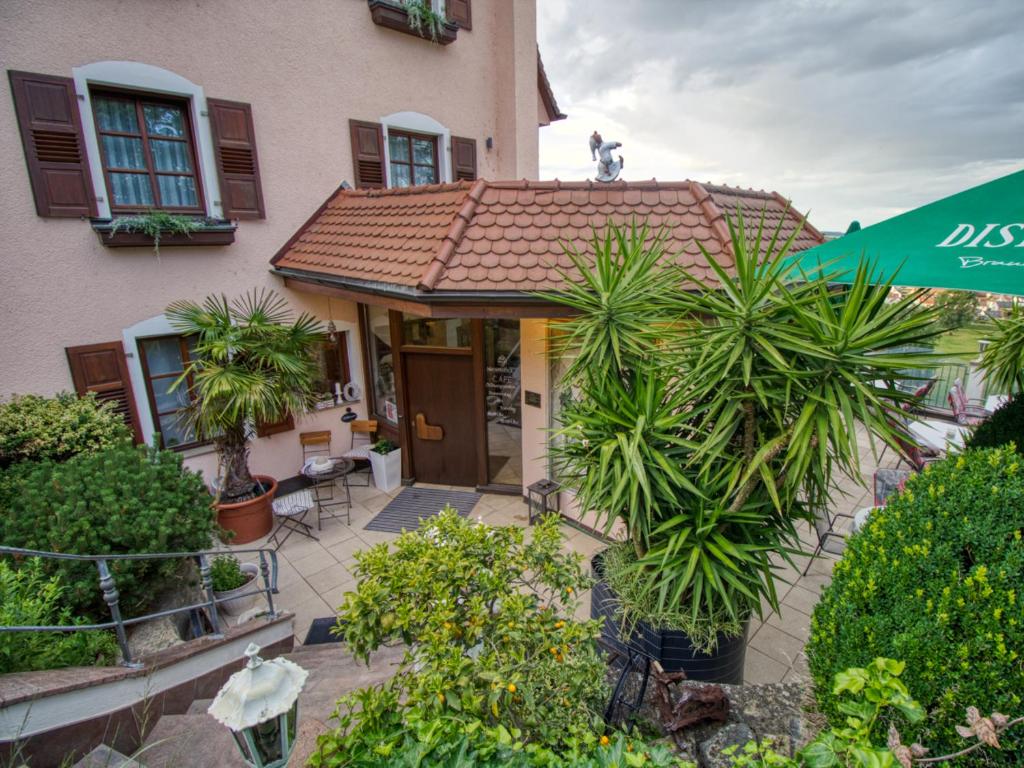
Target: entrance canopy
column 973, row 241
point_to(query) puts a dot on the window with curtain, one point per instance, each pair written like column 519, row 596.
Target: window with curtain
column 163, row 360
column 413, row 158
column 148, row 153
column 332, row 360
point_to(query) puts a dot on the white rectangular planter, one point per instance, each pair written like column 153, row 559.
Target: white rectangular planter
column 387, row 469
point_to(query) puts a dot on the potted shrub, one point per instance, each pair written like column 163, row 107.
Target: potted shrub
column 230, row 580
column 253, row 363
column 708, row 419
column 386, row 462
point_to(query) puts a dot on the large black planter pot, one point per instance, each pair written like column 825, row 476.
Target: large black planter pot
column 671, row 648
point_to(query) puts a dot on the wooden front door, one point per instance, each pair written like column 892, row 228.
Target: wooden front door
column 441, row 416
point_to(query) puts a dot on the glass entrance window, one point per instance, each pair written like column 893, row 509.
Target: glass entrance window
column 502, row 392
column 450, row 333
column 382, row 364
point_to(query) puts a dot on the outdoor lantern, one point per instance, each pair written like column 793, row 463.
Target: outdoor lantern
column 260, row 704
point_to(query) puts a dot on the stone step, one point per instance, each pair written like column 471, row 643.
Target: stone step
column 198, row 707
column 107, row 757
column 190, row 741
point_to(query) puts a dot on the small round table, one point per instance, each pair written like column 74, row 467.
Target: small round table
column 324, row 485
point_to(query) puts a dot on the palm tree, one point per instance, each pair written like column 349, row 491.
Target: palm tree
column 253, row 364
column 711, row 421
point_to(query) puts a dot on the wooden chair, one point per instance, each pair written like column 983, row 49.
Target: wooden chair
column 363, row 436
column 318, row 444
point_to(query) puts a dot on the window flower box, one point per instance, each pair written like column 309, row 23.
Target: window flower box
column 211, row 232
column 391, row 14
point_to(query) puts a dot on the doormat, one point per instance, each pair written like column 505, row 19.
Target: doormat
column 414, row 504
column 320, row 632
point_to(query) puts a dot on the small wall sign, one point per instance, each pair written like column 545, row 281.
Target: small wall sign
column 532, row 398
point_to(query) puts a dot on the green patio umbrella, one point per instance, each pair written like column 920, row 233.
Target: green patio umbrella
column 972, row 241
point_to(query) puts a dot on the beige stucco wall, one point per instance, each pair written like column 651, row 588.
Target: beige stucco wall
column 306, row 67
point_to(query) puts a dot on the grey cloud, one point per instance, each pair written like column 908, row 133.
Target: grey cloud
column 823, row 95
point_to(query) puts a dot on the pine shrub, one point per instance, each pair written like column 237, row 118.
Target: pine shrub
column 935, row 579
column 119, row 500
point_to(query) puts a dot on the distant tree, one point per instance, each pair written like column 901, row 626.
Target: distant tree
column 956, row 308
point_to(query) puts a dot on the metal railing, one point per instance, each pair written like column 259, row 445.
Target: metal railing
column 108, row 587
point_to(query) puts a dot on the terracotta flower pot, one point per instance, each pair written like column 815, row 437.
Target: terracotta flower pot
column 250, row 519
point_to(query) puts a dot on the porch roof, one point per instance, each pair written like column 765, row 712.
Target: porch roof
column 499, row 237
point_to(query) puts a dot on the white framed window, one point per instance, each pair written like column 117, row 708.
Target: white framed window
column 106, row 141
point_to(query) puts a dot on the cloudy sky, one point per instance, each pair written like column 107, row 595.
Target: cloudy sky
column 855, row 109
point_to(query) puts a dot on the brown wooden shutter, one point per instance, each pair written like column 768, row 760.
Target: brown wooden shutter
column 51, row 133
column 101, row 368
column 368, row 154
column 463, row 158
column 459, row 12
column 284, row 425
column 238, row 166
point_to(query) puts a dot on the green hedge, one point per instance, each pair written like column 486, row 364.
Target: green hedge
column 28, row 597
column 1004, row 426
column 117, row 500
column 935, row 579
column 56, row 428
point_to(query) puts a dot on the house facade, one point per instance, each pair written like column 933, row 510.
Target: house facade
column 243, row 118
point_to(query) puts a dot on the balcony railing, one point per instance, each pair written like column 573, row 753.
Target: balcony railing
column 107, row 585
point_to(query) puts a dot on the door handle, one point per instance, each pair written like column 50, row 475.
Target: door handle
column 426, row 431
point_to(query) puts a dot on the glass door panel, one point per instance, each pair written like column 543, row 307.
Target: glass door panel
column 503, row 402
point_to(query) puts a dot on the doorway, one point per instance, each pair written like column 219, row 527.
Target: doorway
column 438, row 362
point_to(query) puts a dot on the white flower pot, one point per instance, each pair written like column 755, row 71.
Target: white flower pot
column 387, row 469
column 233, row 605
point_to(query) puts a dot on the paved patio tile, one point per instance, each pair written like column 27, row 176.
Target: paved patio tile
column 802, row 599
column 314, row 562
column 759, row 668
column 792, row 622
column 330, row 578
column 777, row 644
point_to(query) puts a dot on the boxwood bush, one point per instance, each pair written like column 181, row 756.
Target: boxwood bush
column 57, row 428
column 117, row 500
column 1004, row 426
column 935, row 579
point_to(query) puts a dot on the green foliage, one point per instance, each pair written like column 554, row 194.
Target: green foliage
column 423, row 19
column 636, row 603
column 384, row 446
column 155, row 224
column 1003, row 427
column 28, row 597
column 56, row 428
column 864, row 695
column 956, row 308
column 934, row 579
column 491, row 657
column 253, row 364
column 1003, row 358
column 710, row 421
column 226, row 574
column 123, row 499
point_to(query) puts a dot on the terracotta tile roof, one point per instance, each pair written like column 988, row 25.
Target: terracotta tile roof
column 506, row 235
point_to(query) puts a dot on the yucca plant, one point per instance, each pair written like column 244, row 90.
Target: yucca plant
column 710, row 417
column 253, row 363
column 1003, row 358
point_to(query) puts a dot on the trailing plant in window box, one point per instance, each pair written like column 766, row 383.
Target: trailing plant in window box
column 156, row 224
column 935, row 579
column 57, row 428
column 423, row 19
